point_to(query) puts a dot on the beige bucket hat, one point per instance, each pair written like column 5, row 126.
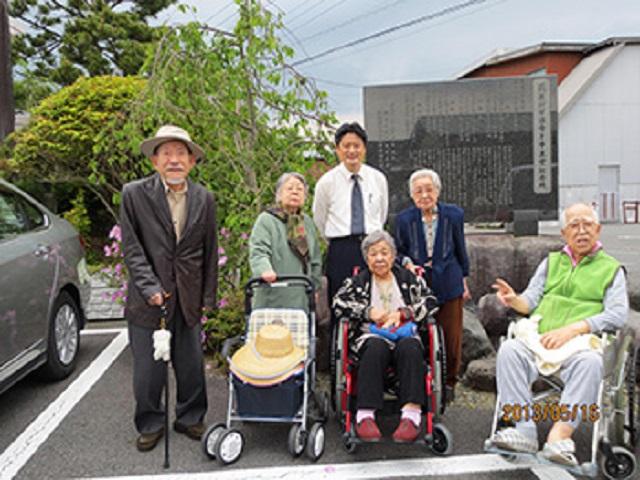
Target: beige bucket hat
column 270, row 359
column 167, row 133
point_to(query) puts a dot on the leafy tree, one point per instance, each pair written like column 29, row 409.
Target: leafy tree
column 234, row 92
column 70, row 38
column 59, row 145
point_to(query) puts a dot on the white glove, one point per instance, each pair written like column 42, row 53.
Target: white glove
column 162, row 345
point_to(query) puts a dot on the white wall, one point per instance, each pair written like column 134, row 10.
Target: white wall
column 603, row 128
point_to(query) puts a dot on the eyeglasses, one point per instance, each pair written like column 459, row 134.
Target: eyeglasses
column 586, row 224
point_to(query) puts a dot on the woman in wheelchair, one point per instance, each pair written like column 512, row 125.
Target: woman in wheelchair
column 384, row 304
column 573, row 293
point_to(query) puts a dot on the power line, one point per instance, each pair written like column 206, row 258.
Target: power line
column 312, row 7
column 323, row 12
column 337, row 84
column 352, row 20
column 226, row 7
column 387, row 31
column 400, row 37
column 300, row 4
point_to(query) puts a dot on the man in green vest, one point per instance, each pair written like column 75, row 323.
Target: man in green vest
column 574, row 292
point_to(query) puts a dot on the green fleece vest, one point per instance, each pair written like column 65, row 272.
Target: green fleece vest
column 574, row 293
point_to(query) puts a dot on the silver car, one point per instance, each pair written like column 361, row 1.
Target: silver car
column 44, row 286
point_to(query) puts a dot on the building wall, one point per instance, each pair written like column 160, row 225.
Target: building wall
column 603, row 128
column 558, row 63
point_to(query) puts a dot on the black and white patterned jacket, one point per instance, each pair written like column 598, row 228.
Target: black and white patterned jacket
column 354, row 298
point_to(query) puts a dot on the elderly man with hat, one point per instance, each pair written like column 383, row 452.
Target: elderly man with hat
column 170, row 249
column 351, row 200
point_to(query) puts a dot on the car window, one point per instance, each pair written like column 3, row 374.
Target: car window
column 17, row 215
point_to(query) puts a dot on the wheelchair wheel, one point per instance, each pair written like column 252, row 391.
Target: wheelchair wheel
column 338, row 381
column 442, row 441
column 621, row 465
column 439, row 358
column 348, row 444
column 297, row 440
column 624, row 424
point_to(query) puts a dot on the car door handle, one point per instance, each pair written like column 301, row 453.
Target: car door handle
column 41, row 251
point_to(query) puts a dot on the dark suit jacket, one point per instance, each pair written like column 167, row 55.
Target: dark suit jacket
column 450, row 261
column 154, row 260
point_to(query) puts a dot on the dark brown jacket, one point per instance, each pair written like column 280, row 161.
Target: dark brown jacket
column 154, row 260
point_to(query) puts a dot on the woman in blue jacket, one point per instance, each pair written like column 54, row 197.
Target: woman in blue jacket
column 431, row 235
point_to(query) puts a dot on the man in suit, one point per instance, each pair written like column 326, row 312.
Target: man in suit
column 170, row 249
column 351, row 200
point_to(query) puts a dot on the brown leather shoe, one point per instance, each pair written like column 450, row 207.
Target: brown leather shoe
column 406, row 432
column 368, row 431
column 148, row 441
column 194, row 431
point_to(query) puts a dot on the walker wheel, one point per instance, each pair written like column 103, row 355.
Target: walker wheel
column 210, row 438
column 297, row 440
column 442, row 443
column 620, row 465
column 229, row 446
column 315, row 443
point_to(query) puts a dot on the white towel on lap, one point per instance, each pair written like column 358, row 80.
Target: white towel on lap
column 547, row 360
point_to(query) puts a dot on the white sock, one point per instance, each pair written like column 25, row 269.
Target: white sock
column 364, row 413
column 413, row 414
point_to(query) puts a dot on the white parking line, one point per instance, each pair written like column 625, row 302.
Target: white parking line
column 22, row 449
column 547, row 472
column 102, row 331
column 415, row 467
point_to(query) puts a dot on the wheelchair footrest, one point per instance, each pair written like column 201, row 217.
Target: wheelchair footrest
column 586, row 469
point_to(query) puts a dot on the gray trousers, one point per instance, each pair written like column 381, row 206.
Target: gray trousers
column 516, row 371
column 149, row 376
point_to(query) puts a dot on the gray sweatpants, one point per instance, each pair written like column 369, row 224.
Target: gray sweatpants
column 516, row 371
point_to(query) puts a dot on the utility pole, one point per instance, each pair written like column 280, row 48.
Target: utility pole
column 7, row 106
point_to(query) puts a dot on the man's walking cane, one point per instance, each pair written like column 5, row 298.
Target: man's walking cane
column 162, row 350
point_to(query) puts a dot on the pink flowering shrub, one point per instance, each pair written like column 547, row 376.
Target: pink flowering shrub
column 115, row 272
column 233, row 271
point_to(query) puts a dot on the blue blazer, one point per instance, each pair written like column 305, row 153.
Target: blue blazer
column 450, row 262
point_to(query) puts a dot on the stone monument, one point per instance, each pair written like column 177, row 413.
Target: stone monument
column 494, row 143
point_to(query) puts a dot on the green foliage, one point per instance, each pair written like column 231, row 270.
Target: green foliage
column 78, row 215
column 67, row 39
column 255, row 116
column 30, row 91
column 61, row 144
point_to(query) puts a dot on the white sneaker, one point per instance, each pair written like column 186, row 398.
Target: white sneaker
column 561, row 452
column 514, row 441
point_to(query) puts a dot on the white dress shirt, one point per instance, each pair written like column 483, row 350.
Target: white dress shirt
column 332, row 201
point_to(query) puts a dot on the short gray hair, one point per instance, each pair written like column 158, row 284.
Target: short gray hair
column 375, row 237
column 425, row 172
column 283, row 179
column 563, row 214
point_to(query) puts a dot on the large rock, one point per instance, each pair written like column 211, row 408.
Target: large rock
column 633, row 288
column 503, row 255
column 475, row 343
column 481, row 374
column 494, row 317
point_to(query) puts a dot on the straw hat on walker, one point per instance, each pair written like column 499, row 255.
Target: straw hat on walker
column 270, row 359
